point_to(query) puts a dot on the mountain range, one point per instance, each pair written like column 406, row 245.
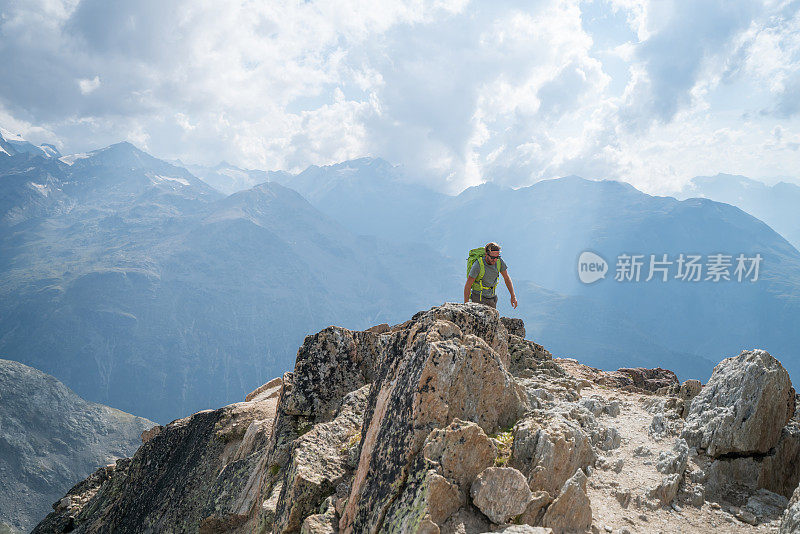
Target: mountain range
column 142, row 287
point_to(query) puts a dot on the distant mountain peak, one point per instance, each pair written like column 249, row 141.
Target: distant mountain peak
column 10, row 136
column 12, row 144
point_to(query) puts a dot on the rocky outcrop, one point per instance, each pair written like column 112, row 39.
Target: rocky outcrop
column 650, row 379
column 439, row 361
column 743, row 408
column 50, row 439
column 450, row 422
column 320, row 461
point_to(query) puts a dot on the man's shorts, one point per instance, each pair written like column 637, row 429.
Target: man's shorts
column 475, row 296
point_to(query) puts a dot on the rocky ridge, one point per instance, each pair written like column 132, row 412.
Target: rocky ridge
column 453, row 422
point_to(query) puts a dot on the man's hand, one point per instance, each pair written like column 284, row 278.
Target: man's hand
column 514, row 301
column 468, row 288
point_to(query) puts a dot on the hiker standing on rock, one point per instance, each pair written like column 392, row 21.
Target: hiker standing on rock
column 484, row 267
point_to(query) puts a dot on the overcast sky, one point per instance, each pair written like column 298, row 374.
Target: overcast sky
column 457, row 92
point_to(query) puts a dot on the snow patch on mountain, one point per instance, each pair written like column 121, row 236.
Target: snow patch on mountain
column 9, row 136
column 72, row 158
column 158, row 178
column 41, row 188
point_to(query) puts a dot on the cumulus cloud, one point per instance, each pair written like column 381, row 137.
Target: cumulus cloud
column 88, row 86
column 650, row 91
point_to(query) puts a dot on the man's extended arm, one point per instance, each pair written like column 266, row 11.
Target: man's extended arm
column 468, row 287
column 510, row 287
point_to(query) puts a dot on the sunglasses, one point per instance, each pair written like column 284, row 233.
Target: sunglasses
column 494, row 257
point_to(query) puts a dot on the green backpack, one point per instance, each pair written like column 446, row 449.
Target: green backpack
column 476, row 254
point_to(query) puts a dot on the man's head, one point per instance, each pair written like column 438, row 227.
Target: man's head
column 492, row 252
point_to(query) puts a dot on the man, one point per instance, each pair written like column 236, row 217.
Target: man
column 482, row 290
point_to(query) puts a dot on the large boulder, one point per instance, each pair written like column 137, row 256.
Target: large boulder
column 572, row 510
column 780, row 472
column 460, row 451
column 743, row 408
column 548, row 448
column 501, row 493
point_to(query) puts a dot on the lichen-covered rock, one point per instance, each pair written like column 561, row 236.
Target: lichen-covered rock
column 743, row 408
column 319, row 462
column 322, row 523
column 514, row 327
column 790, row 523
column 467, row 520
column 330, row 364
column 436, row 364
column 524, row 355
column 548, row 449
column 572, row 510
column 427, row 501
column 417, row 446
column 440, row 477
column 500, row 493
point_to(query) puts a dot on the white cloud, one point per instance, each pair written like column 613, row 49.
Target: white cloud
column 457, row 92
column 88, row 86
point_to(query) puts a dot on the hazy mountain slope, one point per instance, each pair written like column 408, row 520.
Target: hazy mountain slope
column 50, row 439
column 144, row 289
column 368, row 196
column 776, row 205
column 231, row 179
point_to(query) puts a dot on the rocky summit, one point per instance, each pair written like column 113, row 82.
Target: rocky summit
column 453, row 422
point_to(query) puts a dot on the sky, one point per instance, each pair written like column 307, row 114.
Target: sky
column 457, row 92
